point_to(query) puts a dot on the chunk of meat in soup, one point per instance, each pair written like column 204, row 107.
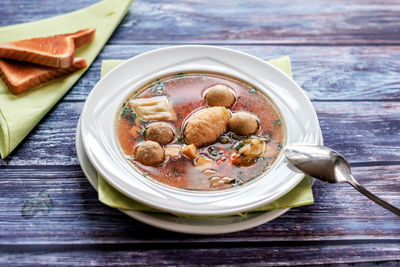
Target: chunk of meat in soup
column 206, row 126
column 149, row 153
column 160, row 132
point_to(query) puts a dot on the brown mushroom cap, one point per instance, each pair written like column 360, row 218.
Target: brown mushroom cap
column 220, row 95
column 243, row 123
column 149, row 153
column 160, row 132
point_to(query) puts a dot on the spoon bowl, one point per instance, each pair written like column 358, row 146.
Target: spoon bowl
column 318, row 161
column 329, row 166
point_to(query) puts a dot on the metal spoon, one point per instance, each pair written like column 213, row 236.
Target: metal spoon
column 329, row 166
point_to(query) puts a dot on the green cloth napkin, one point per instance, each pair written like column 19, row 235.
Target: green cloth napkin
column 19, row 114
column 298, row 196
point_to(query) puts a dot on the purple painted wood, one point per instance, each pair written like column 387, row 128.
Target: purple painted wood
column 77, row 217
column 346, row 57
column 253, row 22
column 361, row 131
column 250, row 255
column 324, row 72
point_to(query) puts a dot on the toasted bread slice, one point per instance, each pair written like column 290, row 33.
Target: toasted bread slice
column 22, row 76
column 54, row 51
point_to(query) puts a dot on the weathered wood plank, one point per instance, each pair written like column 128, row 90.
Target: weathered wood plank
column 271, row 22
column 272, row 255
column 324, row 72
column 77, row 217
column 361, row 131
column 73, row 228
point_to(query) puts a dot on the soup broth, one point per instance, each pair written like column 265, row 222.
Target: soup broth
column 219, row 165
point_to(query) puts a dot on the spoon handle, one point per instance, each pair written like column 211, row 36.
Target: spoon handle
column 371, row 196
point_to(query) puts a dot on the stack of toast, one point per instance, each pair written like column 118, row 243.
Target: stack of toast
column 28, row 63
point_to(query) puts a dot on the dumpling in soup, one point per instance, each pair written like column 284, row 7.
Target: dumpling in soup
column 155, row 108
column 206, row 126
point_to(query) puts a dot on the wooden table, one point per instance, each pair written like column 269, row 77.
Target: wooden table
column 346, row 56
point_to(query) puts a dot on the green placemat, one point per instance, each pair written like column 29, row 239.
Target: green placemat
column 299, row 196
column 19, row 114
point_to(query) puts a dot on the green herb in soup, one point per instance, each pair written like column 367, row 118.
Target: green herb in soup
column 200, row 131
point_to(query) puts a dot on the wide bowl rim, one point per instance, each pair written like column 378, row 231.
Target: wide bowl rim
column 186, row 202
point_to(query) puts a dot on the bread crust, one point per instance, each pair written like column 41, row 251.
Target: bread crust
column 22, row 76
column 55, row 51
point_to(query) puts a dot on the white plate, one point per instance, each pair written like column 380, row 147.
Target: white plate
column 171, row 222
column 101, row 146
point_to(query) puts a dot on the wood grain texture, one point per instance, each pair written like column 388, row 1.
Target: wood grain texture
column 361, row 131
column 219, row 22
column 77, row 217
column 272, row 255
column 345, row 55
column 324, row 72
